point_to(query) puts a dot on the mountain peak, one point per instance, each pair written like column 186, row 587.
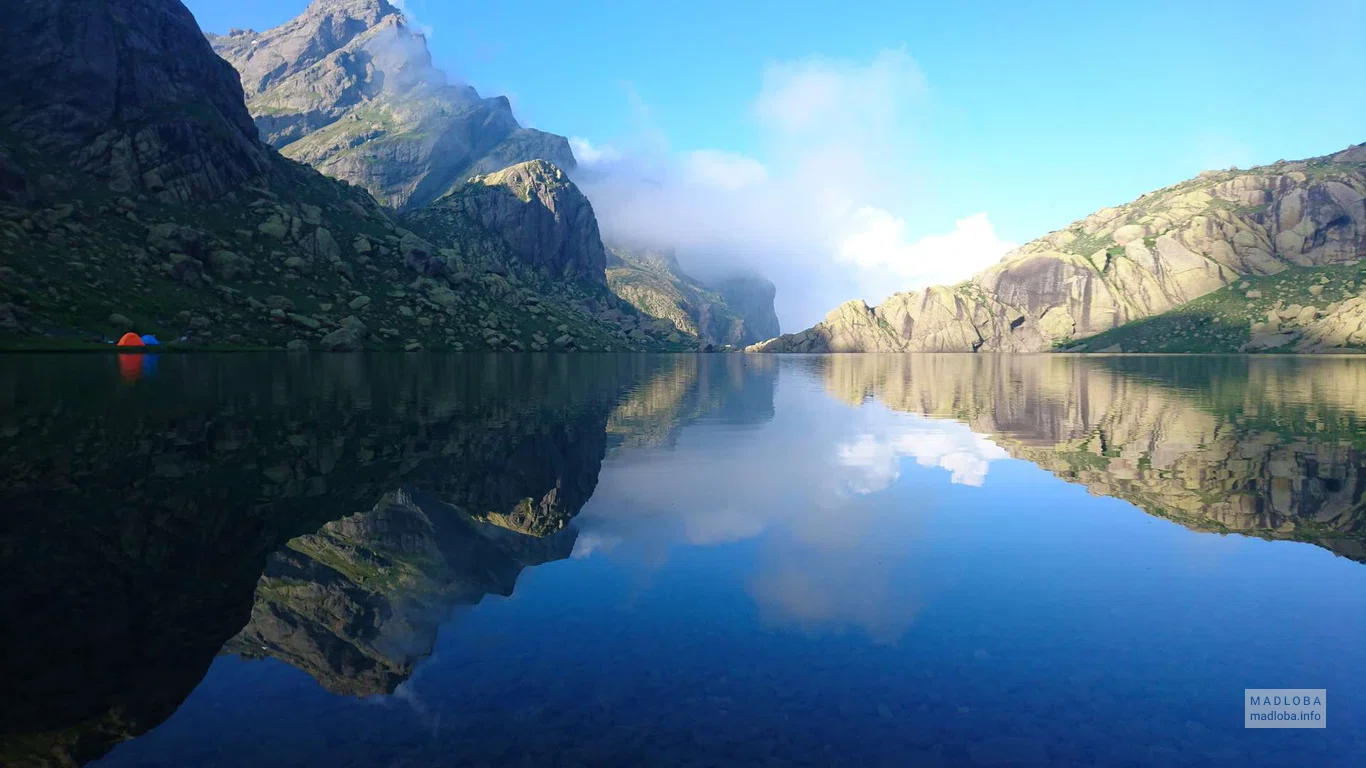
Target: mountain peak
column 370, row 11
column 353, row 73
column 521, row 177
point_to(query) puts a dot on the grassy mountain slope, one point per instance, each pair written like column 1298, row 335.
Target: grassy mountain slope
column 1301, row 309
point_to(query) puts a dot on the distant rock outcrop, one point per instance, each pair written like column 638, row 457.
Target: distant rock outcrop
column 734, row 311
column 349, row 88
column 1122, row 264
column 751, row 297
column 540, row 214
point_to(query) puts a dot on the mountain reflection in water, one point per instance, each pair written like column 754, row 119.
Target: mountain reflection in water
column 330, row 512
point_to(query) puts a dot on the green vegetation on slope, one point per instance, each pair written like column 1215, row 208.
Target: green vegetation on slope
column 1222, row 321
column 293, row 257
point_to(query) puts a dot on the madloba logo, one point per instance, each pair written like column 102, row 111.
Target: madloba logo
column 1285, row 708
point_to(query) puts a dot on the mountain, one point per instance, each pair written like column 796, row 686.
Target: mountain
column 1119, row 265
column 135, row 194
column 349, row 88
column 735, row 311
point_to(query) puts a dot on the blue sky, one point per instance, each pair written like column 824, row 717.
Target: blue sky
column 1031, row 114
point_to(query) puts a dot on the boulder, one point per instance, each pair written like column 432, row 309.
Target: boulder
column 305, row 321
column 348, row 338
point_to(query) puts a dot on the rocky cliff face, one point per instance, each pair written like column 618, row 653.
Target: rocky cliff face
column 542, row 217
column 751, row 297
column 125, row 93
column 735, row 311
column 349, row 88
column 1123, row 264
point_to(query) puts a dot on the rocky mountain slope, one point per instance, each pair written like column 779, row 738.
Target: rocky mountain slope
column 735, row 311
column 136, row 194
column 1122, row 264
column 349, row 88
column 541, row 215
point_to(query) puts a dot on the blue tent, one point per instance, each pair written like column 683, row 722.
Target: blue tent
column 150, row 340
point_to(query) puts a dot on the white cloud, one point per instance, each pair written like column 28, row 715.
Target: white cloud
column 590, row 542
column 833, row 103
column 724, row 170
column 426, row 30
column 889, row 262
column 590, row 156
column 822, row 209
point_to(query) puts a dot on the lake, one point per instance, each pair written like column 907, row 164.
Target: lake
column 413, row 560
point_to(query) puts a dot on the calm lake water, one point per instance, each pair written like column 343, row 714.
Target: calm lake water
column 271, row 560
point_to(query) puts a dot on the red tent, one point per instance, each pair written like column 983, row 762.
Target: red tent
column 131, row 340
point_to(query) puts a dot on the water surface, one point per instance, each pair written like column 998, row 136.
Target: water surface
column 241, row 560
